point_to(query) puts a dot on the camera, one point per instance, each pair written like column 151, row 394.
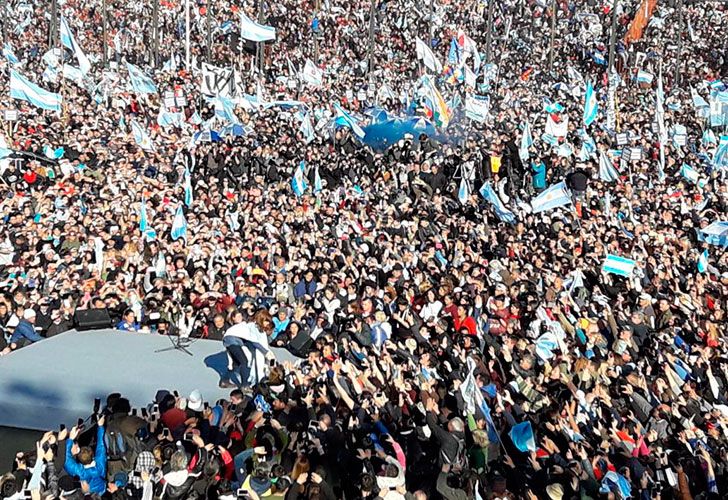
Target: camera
column 242, row 494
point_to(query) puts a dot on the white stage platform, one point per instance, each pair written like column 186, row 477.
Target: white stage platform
column 56, row 380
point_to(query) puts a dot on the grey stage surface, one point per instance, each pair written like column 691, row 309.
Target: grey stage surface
column 55, row 380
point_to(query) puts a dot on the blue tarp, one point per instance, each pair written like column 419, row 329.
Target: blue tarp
column 380, row 136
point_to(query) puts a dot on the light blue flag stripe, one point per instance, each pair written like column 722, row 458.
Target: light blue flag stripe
column 141, row 137
column 317, row 185
column 143, row 222
column 188, row 188
column 140, row 82
column 522, row 436
column 703, row 261
column 607, row 172
column 22, row 88
column 463, row 191
column 250, row 30
column 554, row 197
column 298, row 182
column 715, row 234
column 620, row 266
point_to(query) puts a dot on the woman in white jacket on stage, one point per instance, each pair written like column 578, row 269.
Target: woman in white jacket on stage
column 247, row 347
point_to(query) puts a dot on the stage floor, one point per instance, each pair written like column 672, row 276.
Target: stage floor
column 56, row 380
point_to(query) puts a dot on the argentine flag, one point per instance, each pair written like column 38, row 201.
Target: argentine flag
column 555, row 196
column 618, row 265
column 69, row 41
column 703, row 261
column 522, row 437
column 179, row 225
column 250, row 30
column 143, row 222
column 307, row 128
column 53, row 154
column 720, row 159
column 463, row 191
column 23, row 89
column 317, row 186
column 9, row 54
column 487, row 192
column 140, row 83
column 607, row 172
column 526, row 142
column 590, row 105
column 298, row 183
column 343, row 118
column 690, row 173
column 141, row 137
column 188, row 188
column 715, row 234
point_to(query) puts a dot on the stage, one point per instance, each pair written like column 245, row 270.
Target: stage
column 55, row 380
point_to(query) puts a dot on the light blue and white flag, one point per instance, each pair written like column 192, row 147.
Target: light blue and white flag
column 312, row 74
column 607, row 172
column 307, row 128
column 10, row 54
column 474, row 401
column 140, row 82
column 141, row 137
column 703, row 261
column 487, row 192
column 720, row 160
column 179, row 225
column 715, row 234
column 143, row 221
column 425, row 54
column 522, row 437
column 69, row 41
column 708, row 138
column 689, row 173
column 317, row 185
column 74, row 74
column 620, row 266
column 166, row 119
column 526, row 142
column 698, row 102
column 188, row 188
column 343, row 118
column 565, row 150
column 195, row 119
column 298, row 182
column 551, row 106
column 463, row 191
column 250, row 30
column 24, row 89
column 590, row 105
column 553, row 197
column 225, row 109
column 644, row 77
column 53, row 154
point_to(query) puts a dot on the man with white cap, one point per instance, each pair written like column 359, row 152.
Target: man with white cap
column 24, row 330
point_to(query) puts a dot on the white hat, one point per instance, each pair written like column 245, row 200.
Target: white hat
column 194, row 402
column 28, row 314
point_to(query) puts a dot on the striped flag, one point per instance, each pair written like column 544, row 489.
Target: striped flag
column 143, row 222
column 140, row 82
column 23, row 89
column 607, row 172
column 702, row 263
column 590, row 105
column 720, row 159
column 487, row 192
column 298, row 182
column 345, row 119
column 526, row 142
column 463, row 191
column 317, row 185
column 689, row 173
column 141, row 137
column 439, row 108
column 188, row 188
column 69, row 41
column 250, row 30
column 179, row 225
column 307, row 128
column 620, row 266
column 474, row 401
column 553, row 197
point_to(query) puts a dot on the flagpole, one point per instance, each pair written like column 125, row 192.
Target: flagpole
column 54, row 24
column 552, row 38
column 371, row 39
column 489, row 34
column 315, row 38
column 3, row 6
column 104, row 44
column 208, row 17
column 155, row 33
column 679, row 34
column 613, row 35
column 187, row 35
column 261, row 45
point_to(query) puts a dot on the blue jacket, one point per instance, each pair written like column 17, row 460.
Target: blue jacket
column 303, row 288
column 95, row 473
column 25, row 330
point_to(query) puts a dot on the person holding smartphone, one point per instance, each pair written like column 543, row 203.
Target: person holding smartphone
column 87, row 464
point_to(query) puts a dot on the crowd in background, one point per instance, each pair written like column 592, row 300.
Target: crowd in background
column 444, row 352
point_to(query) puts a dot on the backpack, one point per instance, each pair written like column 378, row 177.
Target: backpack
column 116, row 446
column 460, row 461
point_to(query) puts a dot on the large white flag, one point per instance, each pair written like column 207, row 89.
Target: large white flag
column 427, row 56
column 250, row 30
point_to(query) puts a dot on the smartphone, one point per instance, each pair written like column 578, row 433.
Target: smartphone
column 188, row 436
column 155, row 471
column 27, row 494
column 136, row 473
column 176, row 394
column 165, row 433
column 207, row 405
column 79, row 423
column 144, row 413
column 242, row 494
column 272, row 363
column 155, row 409
column 313, row 424
column 134, row 412
column 97, row 405
column 61, row 428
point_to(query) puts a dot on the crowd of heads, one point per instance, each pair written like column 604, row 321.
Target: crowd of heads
column 442, row 352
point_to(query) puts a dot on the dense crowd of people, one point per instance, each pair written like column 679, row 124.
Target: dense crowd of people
column 450, row 345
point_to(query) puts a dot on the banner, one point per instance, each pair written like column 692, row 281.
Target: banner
column 476, row 107
column 641, row 19
column 312, row 74
column 218, row 82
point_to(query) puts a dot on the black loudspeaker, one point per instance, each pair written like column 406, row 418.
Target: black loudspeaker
column 91, row 319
